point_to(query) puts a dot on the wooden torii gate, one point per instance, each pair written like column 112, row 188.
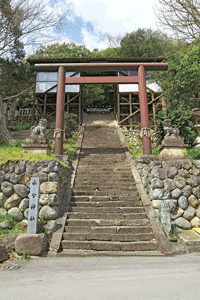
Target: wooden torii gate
column 62, row 67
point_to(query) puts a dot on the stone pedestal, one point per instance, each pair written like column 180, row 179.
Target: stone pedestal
column 172, row 148
column 43, row 149
column 35, row 244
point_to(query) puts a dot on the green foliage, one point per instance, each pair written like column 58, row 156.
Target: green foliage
column 42, row 221
column 98, row 96
column 180, row 84
column 14, row 229
column 2, row 132
column 70, row 124
column 25, row 255
column 137, row 149
column 62, row 51
column 173, row 231
column 20, row 127
column 193, row 153
column 144, row 43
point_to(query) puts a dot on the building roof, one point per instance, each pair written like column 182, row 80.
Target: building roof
column 92, row 60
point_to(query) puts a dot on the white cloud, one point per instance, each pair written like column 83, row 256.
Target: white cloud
column 113, row 17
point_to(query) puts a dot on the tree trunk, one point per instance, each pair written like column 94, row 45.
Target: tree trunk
column 5, row 136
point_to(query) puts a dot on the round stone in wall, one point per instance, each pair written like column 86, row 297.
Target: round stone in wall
column 3, row 211
column 176, row 193
column 156, row 204
column 21, row 190
column 53, row 200
column 20, row 167
column 156, row 183
column 26, row 213
column 187, row 191
column 193, row 201
column 183, row 173
column 180, row 182
column 14, row 200
column 193, row 181
column 158, row 194
column 183, row 202
column 2, row 199
column 50, row 187
column 194, row 171
column 24, row 204
column 43, row 176
column 196, row 191
column 7, row 188
column 195, row 222
column 50, row 212
column 173, row 171
column 198, row 212
column 186, row 164
column 53, row 176
column 178, row 212
column 189, row 213
column 159, row 173
column 183, row 223
column 43, row 200
column 169, row 184
column 16, row 213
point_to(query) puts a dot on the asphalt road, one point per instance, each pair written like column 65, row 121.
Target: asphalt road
column 104, row 278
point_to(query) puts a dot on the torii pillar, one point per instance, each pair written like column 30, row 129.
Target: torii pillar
column 146, row 140
column 60, row 102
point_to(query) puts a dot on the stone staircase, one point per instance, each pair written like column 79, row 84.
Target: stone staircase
column 106, row 215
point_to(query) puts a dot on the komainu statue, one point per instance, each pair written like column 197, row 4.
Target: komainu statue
column 37, row 133
column 170, row 132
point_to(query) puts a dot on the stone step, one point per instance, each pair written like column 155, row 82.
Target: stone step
column 91, row 204
column 108, row 237
column 110, row 246
column 102, row 177
column 87, row 162
column 103, row 222
column 93, row 253
column 94, row 198
column 101, row 181
column 105, row 216
column 106, row 192
column 109, row 229
column 127, row 187
column 104, row 210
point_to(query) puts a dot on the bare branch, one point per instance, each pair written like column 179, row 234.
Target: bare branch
column 181, row 16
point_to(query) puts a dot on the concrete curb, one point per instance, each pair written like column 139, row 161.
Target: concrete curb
column 60, row 223
column 164, row 245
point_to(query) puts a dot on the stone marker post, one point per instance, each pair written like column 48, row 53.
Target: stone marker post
column 33, row 205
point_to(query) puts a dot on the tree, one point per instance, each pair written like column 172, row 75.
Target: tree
column 144, row 43
column 64, row 50
column 23, row 21
column 181, row 85
column 180, row 16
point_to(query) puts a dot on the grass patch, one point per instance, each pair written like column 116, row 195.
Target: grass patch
column 14, row 228
column 192, row 153
column 14, row 152
column 137, row 149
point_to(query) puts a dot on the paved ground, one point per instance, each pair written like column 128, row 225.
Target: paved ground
column 104, row 278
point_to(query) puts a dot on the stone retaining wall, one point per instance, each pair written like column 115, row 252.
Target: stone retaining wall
column 15, row 186
column 174, row 189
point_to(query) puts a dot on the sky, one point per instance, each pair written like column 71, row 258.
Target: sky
column 87, row 21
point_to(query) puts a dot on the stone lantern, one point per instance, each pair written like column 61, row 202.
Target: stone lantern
column 173, row 146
